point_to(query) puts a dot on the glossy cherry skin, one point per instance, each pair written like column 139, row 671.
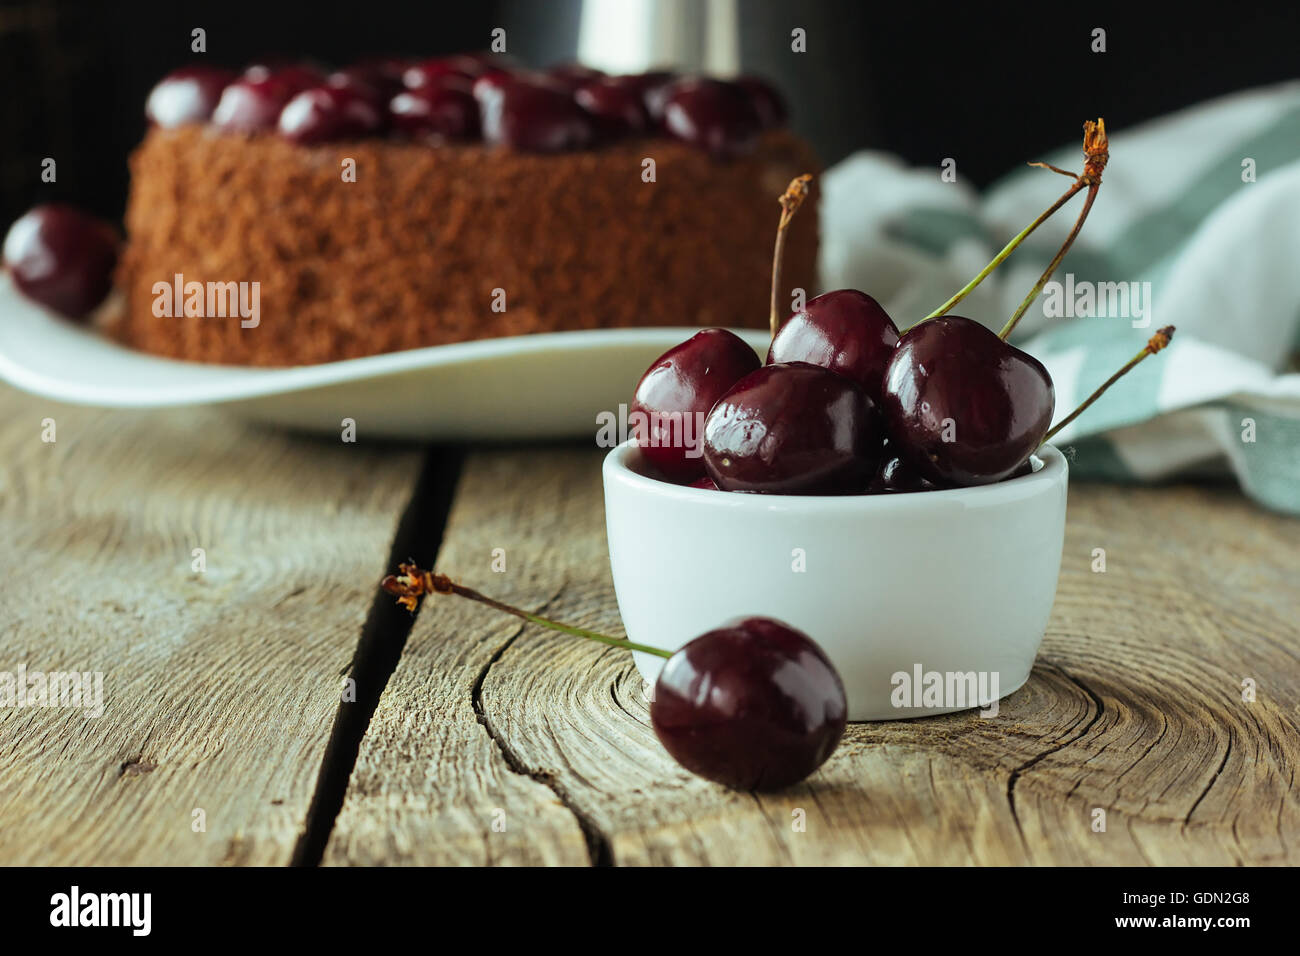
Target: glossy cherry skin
column 793, row 429
column 753, row 705
column 439, row 112
column 62, row 258
column 296, row 76
column 572, row 75
column 432, row 72
column 327, row 113
column 617, row 109
column 529, row 114
column 962, row 406
column 251, row 104
column 712, row 114
column 895, row 475
column 705, row 484
column 187, row 95
column 845, row 331
column 768, row 103
column 676, row 393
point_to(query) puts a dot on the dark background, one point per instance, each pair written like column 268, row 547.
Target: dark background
column 989, row 87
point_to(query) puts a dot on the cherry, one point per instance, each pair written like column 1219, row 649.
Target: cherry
column 676, row 393
column 371, row 86
column 714, row 115
column 896, row 475
column 845, row 331
column 753, row 705
column 793, row 429
column 187, row 95
column 768, row 103
column 616, row 108
column 327, row 113
column 572, row 75
column 296, row 76
column 654, row 87
column 251, row 104
column 963, row 406
column 62, row 258
column 529, row 114
column 445, row 112
column 433, row 72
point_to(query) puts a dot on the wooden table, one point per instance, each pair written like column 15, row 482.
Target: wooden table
column 224, row 739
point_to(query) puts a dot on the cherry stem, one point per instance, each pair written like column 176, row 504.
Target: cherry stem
column 414, row 582
column 1157, row 342
column 790, row 201
column 1001, row 257
column 1096, row 154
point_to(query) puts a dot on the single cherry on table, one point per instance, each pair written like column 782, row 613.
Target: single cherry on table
column 752, row 705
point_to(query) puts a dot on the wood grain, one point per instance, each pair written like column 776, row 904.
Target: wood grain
column 1135, row 708
column 220, row 687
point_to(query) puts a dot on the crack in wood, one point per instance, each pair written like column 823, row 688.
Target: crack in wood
column 1032, row 762
column 379, row 647
column 599, row 848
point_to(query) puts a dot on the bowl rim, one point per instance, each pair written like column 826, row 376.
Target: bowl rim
column 1053, row 473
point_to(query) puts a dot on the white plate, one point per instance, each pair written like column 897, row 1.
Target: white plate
column 551, row 385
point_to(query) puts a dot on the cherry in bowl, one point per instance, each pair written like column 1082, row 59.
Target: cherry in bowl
column 676, row 394
column 846, row 331
column 962, row 406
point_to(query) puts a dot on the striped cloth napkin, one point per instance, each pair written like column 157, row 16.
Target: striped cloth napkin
column 1197, row 225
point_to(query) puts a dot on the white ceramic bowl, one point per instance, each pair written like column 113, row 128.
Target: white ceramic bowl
column 895, row 588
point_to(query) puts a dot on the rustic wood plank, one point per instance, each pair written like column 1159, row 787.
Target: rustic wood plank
column 220, row 687
column 430, row 785
column 1134, row 707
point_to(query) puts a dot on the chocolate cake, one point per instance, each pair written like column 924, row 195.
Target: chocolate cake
column 469, row 202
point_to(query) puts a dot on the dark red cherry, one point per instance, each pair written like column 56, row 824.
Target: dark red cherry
column 432, row 72
column 654, row 87
column 706, row 483
column 769, row 104
column 373, row 87
column 896, row 475
column 444, row 112
column 793, row 429
column 187, row 95
column 616, row 108
column 252, row 104
column 527, row 114
column 962, row 406
column 62, row 258
column 572, row 75
column 753, row 705
column 845, row 331
column 296, row 76
column 713, row 115
column 327, row 113
column 676, row 393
